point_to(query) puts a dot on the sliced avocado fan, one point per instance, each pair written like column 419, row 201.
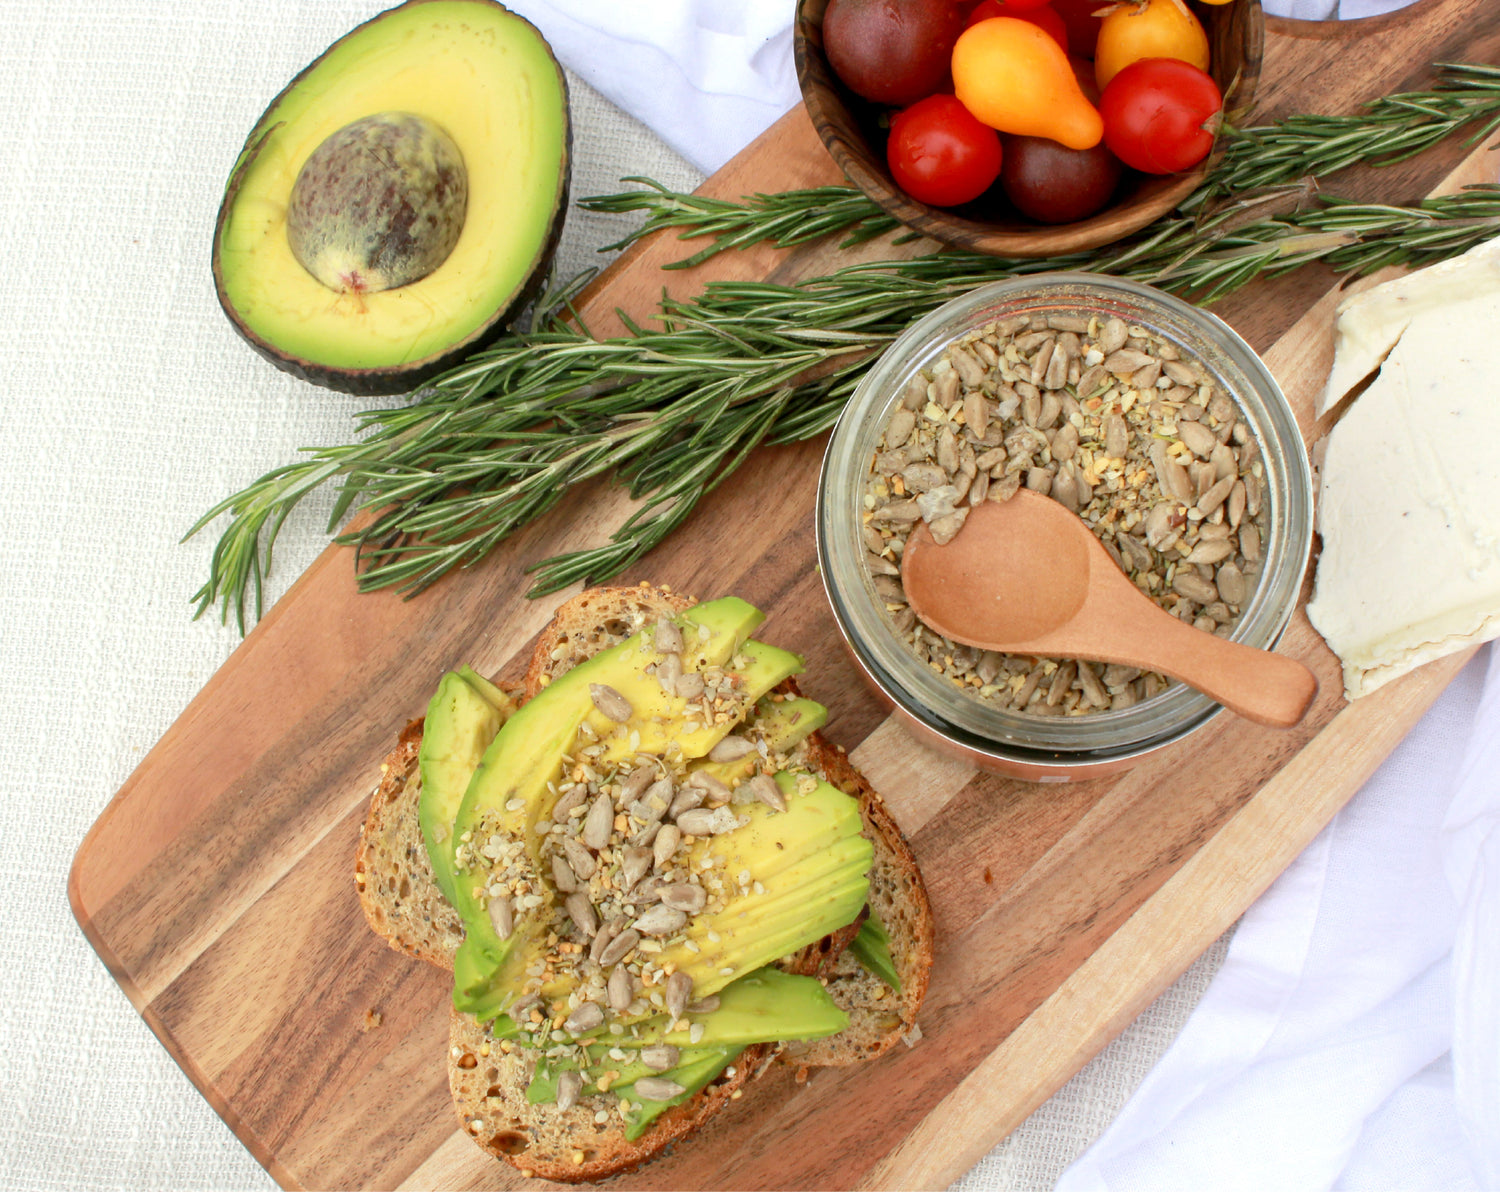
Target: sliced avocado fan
column 635, row 845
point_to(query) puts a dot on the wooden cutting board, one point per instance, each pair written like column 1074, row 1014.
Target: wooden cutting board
column 218, row 888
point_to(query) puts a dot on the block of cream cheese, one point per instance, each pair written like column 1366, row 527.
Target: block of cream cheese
column 1409, row 510
column 1369, row 323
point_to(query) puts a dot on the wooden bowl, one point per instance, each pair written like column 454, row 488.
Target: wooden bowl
column 851, row 129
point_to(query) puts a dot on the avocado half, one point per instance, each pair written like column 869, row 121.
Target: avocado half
column 485, row 77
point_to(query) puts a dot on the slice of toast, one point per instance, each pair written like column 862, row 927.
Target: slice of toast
column 403, row 905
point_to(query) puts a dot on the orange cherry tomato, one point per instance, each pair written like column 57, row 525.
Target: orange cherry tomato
column 1148, row 29
column 1016, row 79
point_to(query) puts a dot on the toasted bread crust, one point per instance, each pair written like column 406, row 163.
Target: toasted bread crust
column 878, row 1017
column 403, row 905
column 593, row 621
column 547, row 1141
column 400, row 898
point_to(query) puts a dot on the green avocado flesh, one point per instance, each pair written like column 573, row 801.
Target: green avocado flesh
column 462, row 719
column 626, row 829
column 764, row 1007
column 462, row 73
column 872, row 948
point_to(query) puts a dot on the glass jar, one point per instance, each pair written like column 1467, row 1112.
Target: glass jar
column 1005, row 740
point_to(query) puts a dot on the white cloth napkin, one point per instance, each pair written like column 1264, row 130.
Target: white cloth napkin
column 707, row 76
column 1352, row 1038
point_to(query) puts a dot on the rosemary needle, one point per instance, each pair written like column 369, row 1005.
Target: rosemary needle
column 672, row 409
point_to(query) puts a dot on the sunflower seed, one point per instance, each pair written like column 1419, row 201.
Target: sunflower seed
column 658, row 1088
column 668, row 637
column 635, row 863
column 898, row 429
column 610, row 702
column 701, row 821
column 764, row 788
column 690, row 685
column 1197, row 438
column 731, row 749
column 1214, row 497
column 665, row 845
column 687, row 799
column 599, row 823
column 678, row 993
column 580, row 860
column 976, row 414
column 946, row 528
column 684, row 896
column 661, row 920
column 1230, row 581
column 603, row 937
column 620, row 991
column 1211, row 551
column 1194, row 587
column 581, row 911
column 502, row 917
column 660, row 1056
column 569, row 1085
column 563, row 876
column 712, row 787
column 569, row 800
column 669, row 673
column 585, row 1017
column 618, row 948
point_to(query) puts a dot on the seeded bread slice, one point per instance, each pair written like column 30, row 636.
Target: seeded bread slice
column 878, row 1016
column 400, row 897
column 403, row 905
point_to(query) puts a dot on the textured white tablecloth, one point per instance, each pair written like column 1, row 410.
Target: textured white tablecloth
column 130, row 407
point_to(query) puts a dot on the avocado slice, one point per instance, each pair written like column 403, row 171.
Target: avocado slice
column 790, row 878
column 782, row 722
column 693, row 1073
column 872, row 948
column 463, row 717
column 766, row 1006
column 415, row 85
column 517, row 779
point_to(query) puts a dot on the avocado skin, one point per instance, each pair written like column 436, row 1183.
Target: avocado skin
column 394, row 379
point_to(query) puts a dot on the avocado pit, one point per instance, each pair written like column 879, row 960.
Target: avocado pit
column 379, row 204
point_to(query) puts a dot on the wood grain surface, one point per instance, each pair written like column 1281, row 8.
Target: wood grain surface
column 218, row 883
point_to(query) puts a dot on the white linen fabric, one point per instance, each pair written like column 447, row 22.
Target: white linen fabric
column 1348, row 1041
column 132, row 408
column 706, row 76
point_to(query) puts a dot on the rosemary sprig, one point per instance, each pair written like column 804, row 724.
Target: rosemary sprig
column 672, row 409
column 788, row 218
column 1383, row 132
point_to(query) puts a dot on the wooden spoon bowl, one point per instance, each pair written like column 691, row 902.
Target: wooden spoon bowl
column 851, row 129
column 1028, row 577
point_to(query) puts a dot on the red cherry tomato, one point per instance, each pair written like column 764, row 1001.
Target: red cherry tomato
column 1160, row 115
column 1020, row 6
column 1042, row 17
column 940, row 154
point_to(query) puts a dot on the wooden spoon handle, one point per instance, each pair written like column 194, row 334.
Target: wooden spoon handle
column 1270, row 689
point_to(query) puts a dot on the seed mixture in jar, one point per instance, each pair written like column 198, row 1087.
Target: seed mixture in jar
column 1117, row 424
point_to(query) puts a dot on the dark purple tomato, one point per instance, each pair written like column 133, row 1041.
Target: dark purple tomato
column 891, row 51
column 1054, row 184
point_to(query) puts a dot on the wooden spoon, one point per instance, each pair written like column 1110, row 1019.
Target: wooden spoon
column 1025, row 576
